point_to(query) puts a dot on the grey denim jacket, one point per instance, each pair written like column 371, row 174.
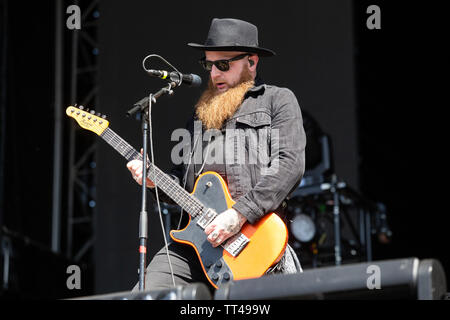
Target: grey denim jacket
column 264, row 149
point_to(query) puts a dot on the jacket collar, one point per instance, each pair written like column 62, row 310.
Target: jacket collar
column 259, row 85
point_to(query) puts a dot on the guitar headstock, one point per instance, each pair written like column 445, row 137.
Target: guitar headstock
column 88, row 120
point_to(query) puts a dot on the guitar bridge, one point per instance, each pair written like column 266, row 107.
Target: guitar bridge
column 235, row 244
column 206, row 218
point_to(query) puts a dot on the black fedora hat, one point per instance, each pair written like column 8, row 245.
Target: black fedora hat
column 232, row 35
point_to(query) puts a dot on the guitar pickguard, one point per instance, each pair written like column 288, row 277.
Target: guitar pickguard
column 210, row 192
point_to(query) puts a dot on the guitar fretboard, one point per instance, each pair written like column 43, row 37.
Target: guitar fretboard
column 185, row 200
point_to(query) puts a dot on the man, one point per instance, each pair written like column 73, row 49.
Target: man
column 236, row 104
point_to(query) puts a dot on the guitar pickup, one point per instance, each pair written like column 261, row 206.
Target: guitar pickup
column 235, row 244
column 206, row 218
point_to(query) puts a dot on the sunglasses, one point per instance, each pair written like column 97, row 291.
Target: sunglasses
column 222, row 65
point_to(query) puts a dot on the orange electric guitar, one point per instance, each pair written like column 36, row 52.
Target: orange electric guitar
column 248, row 254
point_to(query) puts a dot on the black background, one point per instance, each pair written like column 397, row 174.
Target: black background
column 380, row 94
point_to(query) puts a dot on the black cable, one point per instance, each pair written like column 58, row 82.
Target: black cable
column 153, row 161
column 150, row 130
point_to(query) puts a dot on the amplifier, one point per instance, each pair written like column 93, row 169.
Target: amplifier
column 193, row 291
column 391, row 279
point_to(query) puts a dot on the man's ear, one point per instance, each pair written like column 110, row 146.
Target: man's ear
column 253, row 60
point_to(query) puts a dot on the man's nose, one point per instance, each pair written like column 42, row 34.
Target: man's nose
column 215, row 72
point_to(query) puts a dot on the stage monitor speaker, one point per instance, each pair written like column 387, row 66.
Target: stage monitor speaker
column 390, row 279
column 193, row 291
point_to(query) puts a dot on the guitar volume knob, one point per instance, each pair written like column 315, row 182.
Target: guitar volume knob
column 208, row 263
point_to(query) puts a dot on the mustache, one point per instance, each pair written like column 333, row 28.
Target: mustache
column 245, row 76
column 219, row 81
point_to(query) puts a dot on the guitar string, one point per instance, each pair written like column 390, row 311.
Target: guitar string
column 173, row 191
column 125, row 148
column 194, row 206
column 113, row 137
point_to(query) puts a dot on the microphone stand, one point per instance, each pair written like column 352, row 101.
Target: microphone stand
column 144, row 107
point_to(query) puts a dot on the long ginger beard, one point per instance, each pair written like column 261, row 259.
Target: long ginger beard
column 214, row 108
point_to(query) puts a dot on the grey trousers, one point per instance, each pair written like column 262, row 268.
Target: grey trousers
column 187, row 268
column 185, row 264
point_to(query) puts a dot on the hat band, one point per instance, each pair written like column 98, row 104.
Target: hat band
column 211, row 42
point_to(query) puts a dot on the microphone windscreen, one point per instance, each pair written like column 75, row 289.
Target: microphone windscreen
column 196, row 80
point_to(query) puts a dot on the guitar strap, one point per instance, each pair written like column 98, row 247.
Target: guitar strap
column 204, row 160
column 185, row 176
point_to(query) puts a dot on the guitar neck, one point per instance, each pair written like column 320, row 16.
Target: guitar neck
column 185, row 200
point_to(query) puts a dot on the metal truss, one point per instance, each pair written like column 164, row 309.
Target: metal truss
column 83, row 84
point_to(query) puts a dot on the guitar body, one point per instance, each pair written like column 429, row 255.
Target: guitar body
column 267, row 238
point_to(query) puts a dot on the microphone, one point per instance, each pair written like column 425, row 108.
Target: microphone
column 191, row 79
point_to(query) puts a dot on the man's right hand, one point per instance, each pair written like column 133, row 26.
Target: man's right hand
column 135, row 167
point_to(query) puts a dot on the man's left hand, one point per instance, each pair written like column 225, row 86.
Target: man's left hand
column 225, row 225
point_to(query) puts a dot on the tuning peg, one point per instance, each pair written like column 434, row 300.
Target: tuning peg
column 81, row 107
column 92, row 111
column 103, row 116
column 99, row 114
